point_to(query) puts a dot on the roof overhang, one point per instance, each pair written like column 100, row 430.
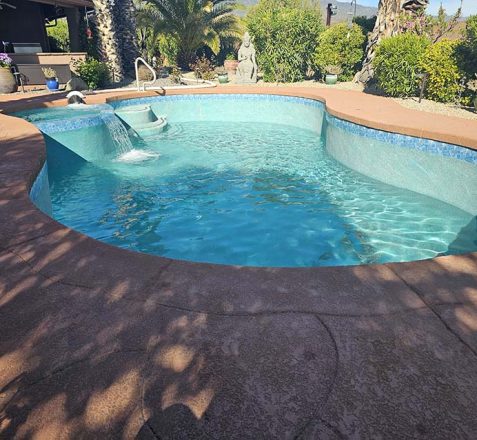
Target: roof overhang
column 67, row 3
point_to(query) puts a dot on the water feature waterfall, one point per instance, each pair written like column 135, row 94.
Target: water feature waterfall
column 118, row 132
column 125, row 152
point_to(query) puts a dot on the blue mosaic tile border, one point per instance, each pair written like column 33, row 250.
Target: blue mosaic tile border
column 36, row 188
column 405, row 141
column 56, row 126
column 218, row 97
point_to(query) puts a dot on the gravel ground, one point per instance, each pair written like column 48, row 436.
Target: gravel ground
column 437, row 107
column 411, row 103
column 160, row 82
column 308, row 83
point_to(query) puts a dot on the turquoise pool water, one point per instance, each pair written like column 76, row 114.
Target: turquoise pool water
column 262, row 188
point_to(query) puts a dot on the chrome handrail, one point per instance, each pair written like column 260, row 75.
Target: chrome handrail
column 136, row 68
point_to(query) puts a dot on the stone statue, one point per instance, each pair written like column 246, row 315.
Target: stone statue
column 247, row 68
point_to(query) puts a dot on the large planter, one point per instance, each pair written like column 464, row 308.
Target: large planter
column 52, row 84
column 331, row 79
column 231, row 65
column 7, row 81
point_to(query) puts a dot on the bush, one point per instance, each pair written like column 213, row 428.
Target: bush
column 169, row 48
column 175, row 74
column 468, row 48
column 470, row 33
column 285, row 35
column 92, row 72
column 439, row 61
column 203, row 68
column 396, row 64
column 365, row 23
column 58, row 36
column 341, row 46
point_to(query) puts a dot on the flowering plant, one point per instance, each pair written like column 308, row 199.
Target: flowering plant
column 5, row 60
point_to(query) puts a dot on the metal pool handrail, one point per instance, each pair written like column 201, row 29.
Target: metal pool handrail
column 136, row 68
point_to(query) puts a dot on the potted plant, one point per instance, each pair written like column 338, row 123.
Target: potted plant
column 7, row 80
column 472, row 86
column 231, row 62
column 332, row 73
column 223, row 76
column 51, row 79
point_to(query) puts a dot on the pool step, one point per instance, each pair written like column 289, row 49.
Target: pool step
column 142, row 119
column 151, row 128
column 136, row 115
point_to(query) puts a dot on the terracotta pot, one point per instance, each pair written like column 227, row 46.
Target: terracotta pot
column 7, row 81
column 231, row 65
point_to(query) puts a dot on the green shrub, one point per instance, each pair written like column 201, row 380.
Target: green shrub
column 169, row 48
column 285, row 34
column 58, row 36
column 341, row 46
column 439, row 61
column 92, row 72
column 365, row 23
column 397, row 63
column 467, row 50
column 470, row 32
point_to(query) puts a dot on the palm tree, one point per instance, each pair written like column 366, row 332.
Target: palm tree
column 387, row 25
column 115, row 23
column 124, row 14
column 197, row 23
column 149, row 26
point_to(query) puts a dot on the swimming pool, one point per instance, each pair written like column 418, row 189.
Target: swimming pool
column 255, row 180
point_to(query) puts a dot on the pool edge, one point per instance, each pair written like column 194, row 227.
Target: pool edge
column 45, row 237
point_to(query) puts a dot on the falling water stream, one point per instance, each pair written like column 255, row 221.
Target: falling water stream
column 118, row 132
column 125, row 152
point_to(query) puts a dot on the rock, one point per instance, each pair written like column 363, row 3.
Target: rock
column 76, row 83
column 144, row 73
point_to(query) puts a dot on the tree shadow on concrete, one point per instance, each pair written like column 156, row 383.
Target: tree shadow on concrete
column 100, row 342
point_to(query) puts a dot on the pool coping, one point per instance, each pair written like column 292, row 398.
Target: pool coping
column 23, row 155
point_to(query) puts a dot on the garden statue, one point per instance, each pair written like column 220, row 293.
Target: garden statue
column 247, row 68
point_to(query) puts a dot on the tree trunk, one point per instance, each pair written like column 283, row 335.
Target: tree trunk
column 108, row 37
column 125, row 18
column 387, row 24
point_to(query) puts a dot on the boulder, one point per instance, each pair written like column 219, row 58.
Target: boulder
column 76, row 83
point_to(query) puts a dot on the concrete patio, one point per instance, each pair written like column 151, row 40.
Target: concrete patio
column 98, row 342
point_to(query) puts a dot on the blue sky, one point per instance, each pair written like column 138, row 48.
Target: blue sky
column 469, row 6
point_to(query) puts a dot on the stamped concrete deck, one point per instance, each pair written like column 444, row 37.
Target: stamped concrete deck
column 97, row 342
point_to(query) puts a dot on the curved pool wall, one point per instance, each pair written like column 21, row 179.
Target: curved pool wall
column 40, row 191
column 297, row 112
column 421, row 165
column 443, row 171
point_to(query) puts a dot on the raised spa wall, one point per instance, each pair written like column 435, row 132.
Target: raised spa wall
column 416, row 164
